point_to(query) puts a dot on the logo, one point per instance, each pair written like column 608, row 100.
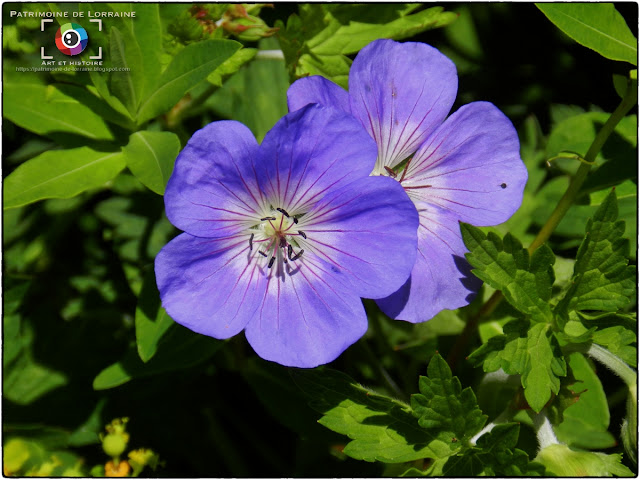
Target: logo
column 71, row 39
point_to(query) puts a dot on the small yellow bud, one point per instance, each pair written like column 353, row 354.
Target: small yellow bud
column 122, row 470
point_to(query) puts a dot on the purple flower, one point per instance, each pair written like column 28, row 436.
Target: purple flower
column 283, row 238
column 463, row 168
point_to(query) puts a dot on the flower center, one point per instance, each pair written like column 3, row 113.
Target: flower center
column 277, row 237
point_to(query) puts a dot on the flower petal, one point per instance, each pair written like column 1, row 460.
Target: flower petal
column 366, row 231
column 317, row 89
column 401, row 92
column 441, row 277
column 306, row 319
column 213, row 191
column 470, row 166
column 310, row 152
column 208, row 284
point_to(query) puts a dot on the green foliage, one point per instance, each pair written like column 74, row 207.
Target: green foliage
column 60, row 174
column 598, row 26
column 506, row 266
column 188, row 68
column 385, row 429
column 602, row 280
column 564, row 461
column 318, row 40
column 150, row 157
column 495, row 455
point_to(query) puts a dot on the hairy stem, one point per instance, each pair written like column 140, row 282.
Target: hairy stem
column 544, row 430
column 615, row 364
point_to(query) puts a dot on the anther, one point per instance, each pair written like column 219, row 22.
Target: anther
column 283, row 243
column 297, row 256
column 267, row 218
column 283, row 211
column 273, row 259
column 295, row 220
column 391, row 173
column 251, row 243
column 289, row 251
column 262, row 253
column 504, row 185
column 302, row 234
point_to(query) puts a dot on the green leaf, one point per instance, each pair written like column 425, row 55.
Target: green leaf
column 616, row 332
column 602, row 279
column 177, row 350
column 150, row 157
column 503, row 264
column 256, row 95
column 586, row 421
column 26, row 381
column 60, row 174
column 443, row 405
column 597, row 26
column 188, row 68
column 317, row 41
column 380, row 427
column 232, row 65
column 531, row 352
column 545, row 364
column 87, row 433
column 152, row 321
column 564, row 461
column 507, row 351
column 495, row 455
column 46, row 110
column 128, row 80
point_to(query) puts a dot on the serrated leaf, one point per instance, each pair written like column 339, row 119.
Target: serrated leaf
column 380, row 427
column 545, row 364
column 507, row 351
column 60, row 174
column 188, row 68
column 46, row 110
column 443, row 405
column 602, row 279
column 597, row 26
column 150, row 156
column 503, row 264
column 495, row 455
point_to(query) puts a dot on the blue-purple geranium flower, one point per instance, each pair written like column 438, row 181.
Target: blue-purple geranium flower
column 283, row 238
column 463, row 168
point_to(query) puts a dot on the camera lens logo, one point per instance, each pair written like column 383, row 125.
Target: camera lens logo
column 71, row 39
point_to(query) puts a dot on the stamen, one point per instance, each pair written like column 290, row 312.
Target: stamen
column 504, row 185
column 289, row 251
column 262, row 253
column 298, row 255
column 283, row 243
column 295, row 220
column 273, row 259
column 391, row 173
column 283, row 211
column 302, row 234
column 267, row 218
column 251, row 243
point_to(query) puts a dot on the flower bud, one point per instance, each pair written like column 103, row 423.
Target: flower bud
column 114, row 443
column 111, row 470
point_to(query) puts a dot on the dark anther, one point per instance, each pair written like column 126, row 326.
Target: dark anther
column 282, row 211
column 251, row 243
column 302, row 234
column 289, row 251
column 297, row 256
column 267, row 218
column 295, row 220
column 262, row 253
column 504, row 185
column 283, row 243
column 273, row 259
column 391, row 173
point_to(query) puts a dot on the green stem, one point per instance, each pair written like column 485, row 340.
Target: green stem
column 544, row 430
column 629, row 100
